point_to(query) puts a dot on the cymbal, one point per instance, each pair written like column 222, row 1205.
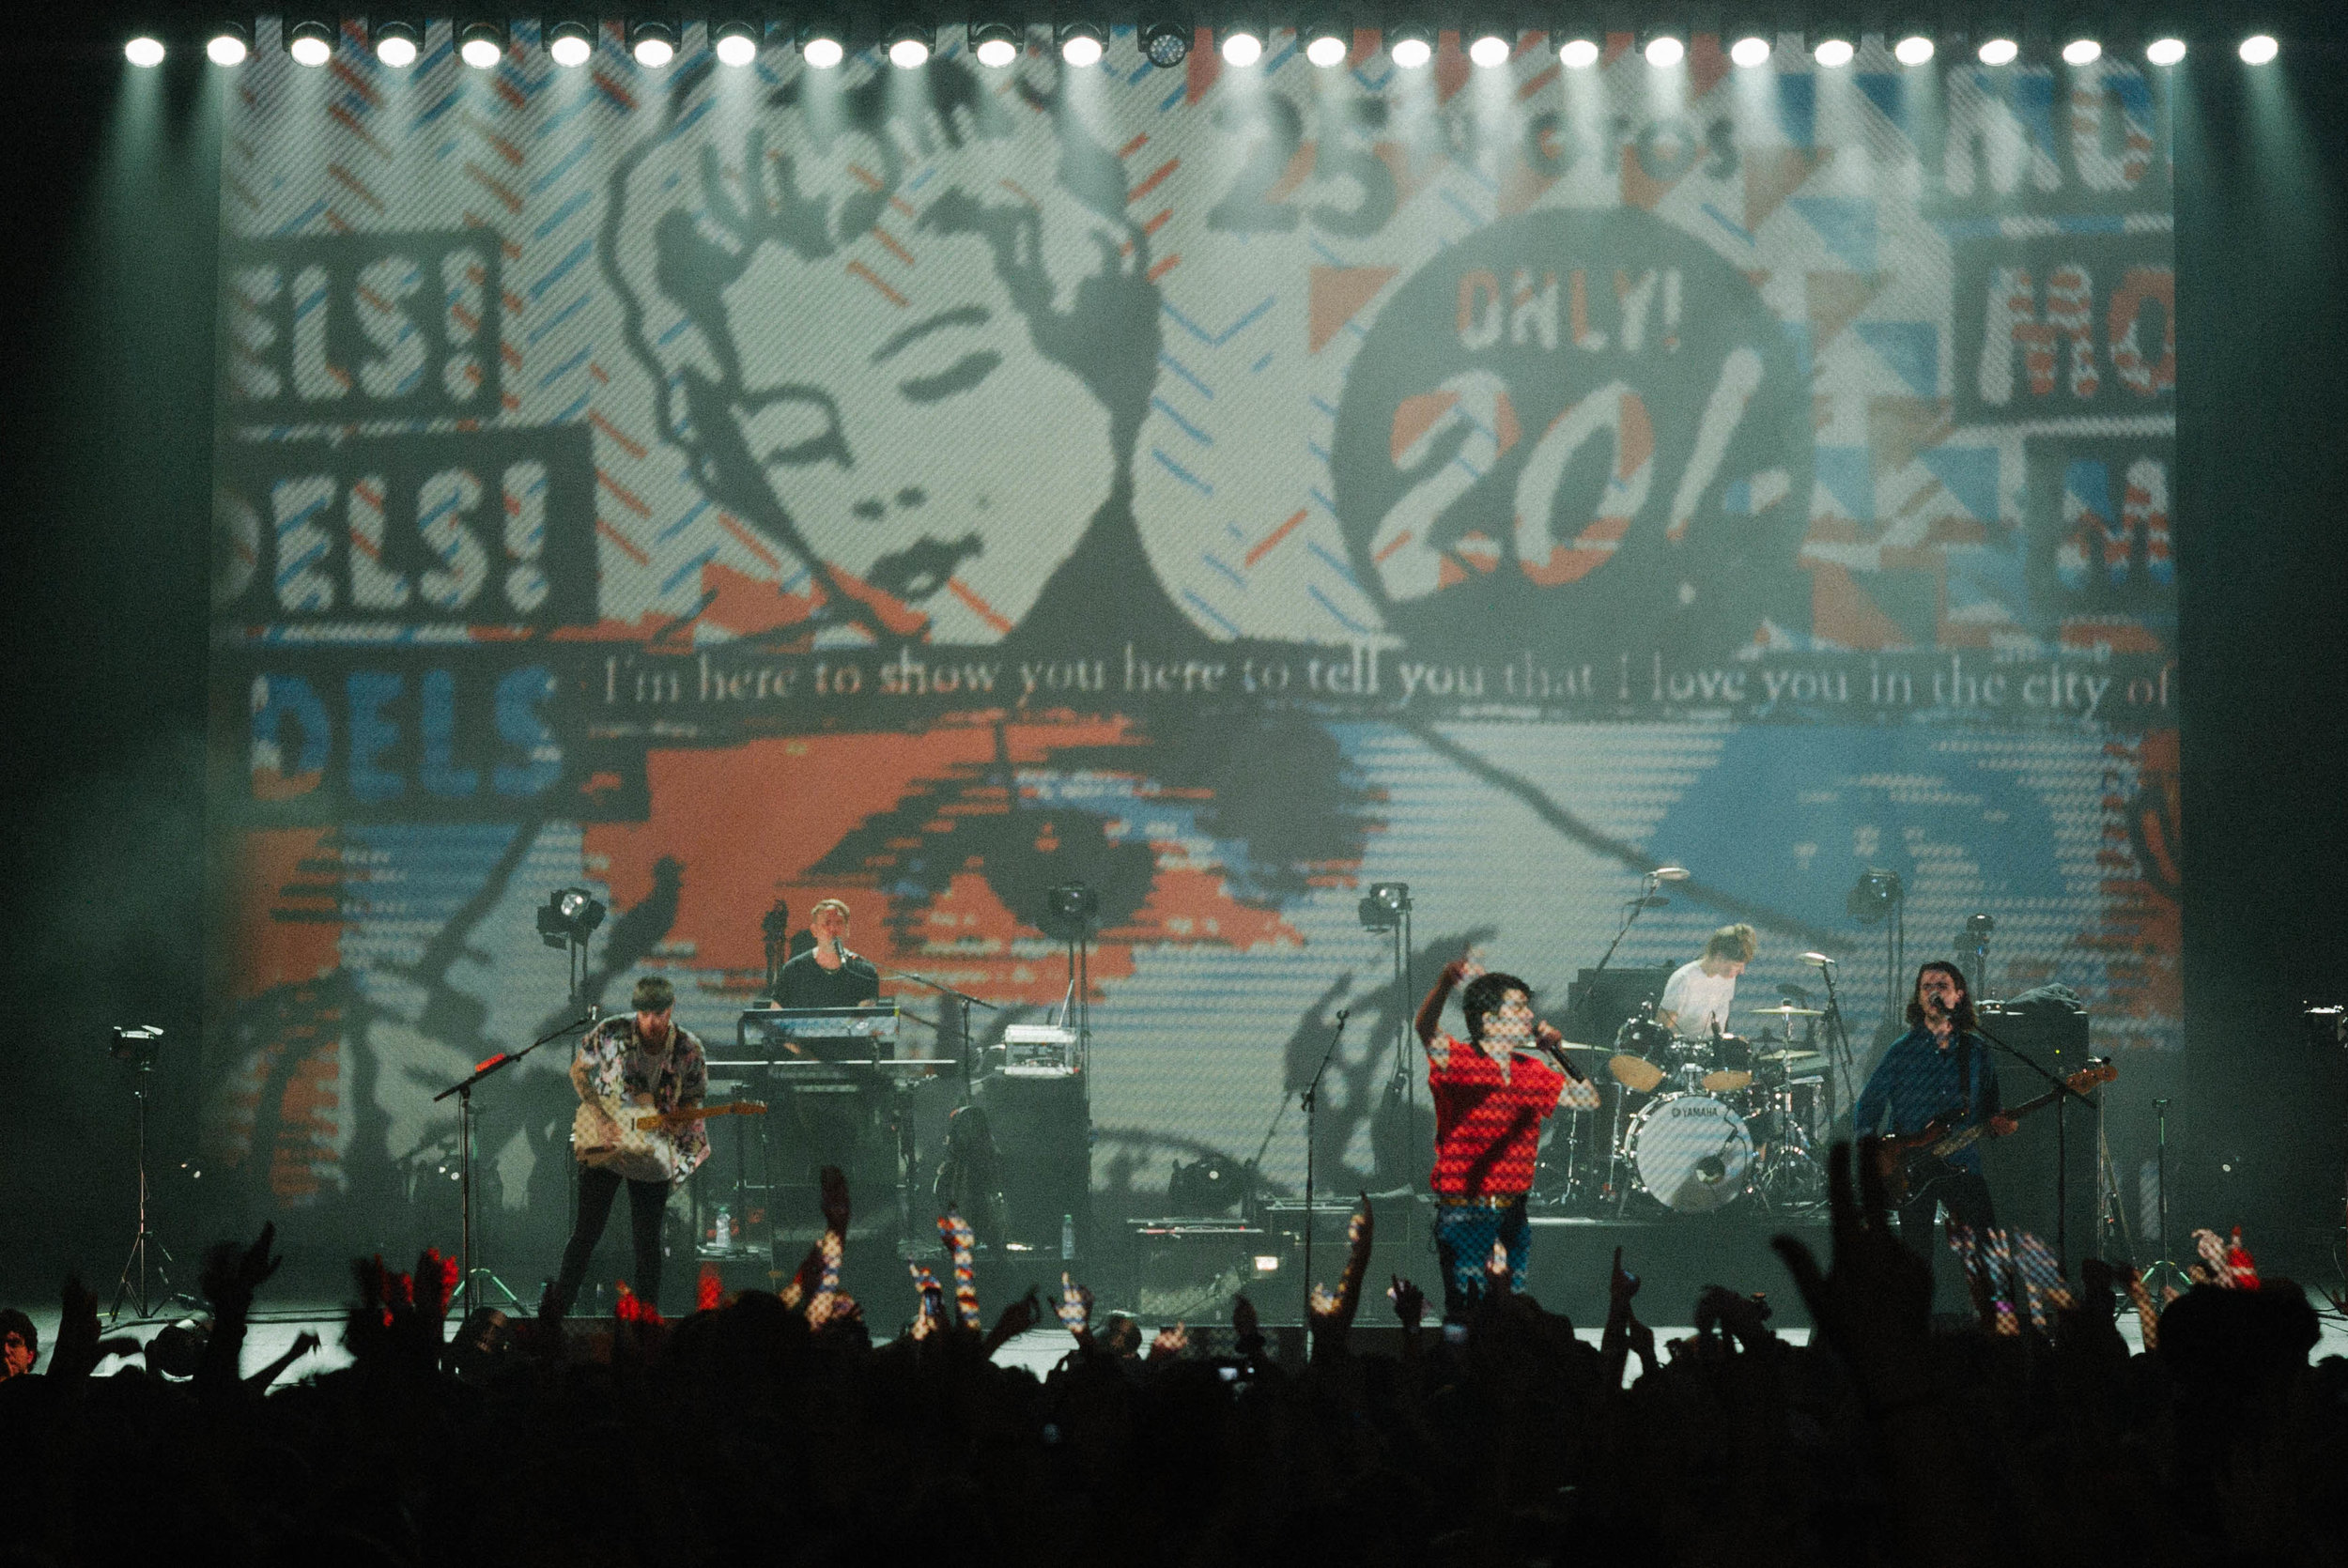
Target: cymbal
column 1789, row 1056
column 1784, row 1011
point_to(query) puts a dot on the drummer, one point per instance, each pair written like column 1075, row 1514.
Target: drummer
column 1698, row 996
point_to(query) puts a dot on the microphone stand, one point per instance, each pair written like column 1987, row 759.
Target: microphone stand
column 963, row 997
column 469, row 1286
column 1312, row 1099
column 2063, row 1162
column 1648, row 884
column 1840, row 1036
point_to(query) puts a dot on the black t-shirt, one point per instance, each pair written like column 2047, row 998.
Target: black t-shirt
column 805, row 983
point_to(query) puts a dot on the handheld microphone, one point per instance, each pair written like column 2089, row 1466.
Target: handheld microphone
column 1669, row 873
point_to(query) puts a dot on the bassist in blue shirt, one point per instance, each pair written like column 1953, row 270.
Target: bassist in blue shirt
column 1940, row 1068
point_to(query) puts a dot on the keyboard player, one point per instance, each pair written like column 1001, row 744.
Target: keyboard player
column 825, row 1127
column 827, row 974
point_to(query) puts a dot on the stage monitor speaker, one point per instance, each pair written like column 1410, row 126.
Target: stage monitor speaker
column 1186, row 1268
column 1402, row 1242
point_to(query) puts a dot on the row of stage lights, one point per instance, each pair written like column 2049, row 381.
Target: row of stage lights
column 995, row 44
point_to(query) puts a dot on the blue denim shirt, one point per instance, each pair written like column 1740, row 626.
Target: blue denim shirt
column 1917, row 1081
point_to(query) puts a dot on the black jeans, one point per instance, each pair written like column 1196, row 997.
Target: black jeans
column 646, row 1201
column 1967, row 1198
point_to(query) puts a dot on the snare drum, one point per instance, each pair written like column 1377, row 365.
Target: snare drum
column 1691, row 1152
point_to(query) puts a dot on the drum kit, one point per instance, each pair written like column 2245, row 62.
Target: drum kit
column 1696, row 1125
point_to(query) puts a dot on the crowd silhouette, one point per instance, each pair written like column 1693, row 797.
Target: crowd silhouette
column 773, row 1427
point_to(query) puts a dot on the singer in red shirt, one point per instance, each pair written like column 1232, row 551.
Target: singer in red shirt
column 1491, row 1098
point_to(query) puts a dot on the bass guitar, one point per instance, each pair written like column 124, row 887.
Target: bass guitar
column 634, row 1140
column 1912, row 1161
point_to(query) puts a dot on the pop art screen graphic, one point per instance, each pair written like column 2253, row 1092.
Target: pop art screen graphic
column 712, row 488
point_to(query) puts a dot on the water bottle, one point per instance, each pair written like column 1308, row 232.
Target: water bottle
column 723, row 1232
column 1067, row 1236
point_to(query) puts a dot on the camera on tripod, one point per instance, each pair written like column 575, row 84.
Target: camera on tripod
column 136, row 1045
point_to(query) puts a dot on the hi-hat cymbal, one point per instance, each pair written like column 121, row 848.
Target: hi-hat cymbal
column 1784, row 1011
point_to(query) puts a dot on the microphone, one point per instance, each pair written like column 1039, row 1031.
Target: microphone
column 1818, row 958
column 1342, row 1014
column 1669, row 873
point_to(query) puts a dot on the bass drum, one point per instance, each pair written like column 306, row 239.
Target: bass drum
column 1691, row 1151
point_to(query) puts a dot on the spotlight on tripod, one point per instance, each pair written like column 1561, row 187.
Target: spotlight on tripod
column 1383, row 906
column 139, row 1046
column 1070, row 910
column 571, row 916
column 1872, row 897
column 566, row 921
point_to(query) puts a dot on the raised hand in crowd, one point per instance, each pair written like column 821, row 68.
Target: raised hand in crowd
column 1014, row 1320
column 1723, row 1318
column 1075, row 1312
column 1169, row 1342
column 1333, row 1311
column 1874, row 1301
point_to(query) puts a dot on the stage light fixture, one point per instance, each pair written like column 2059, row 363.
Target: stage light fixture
column 734, row 43
column 1999, row 52
column 1383, row 906
column 229, row 44
column 909, row 44
column 995, row 44
column 1666, row 49
column 1241, row 46
column 398, row 42
column 1166, row 41
column 1750, row 52
column 1411, row 45
column 1578, row 54
column 310, row 42
column 1491, row 47
column 144, row 52
column 2082, row 52
column 1071, row 910
column 1327, row 42
column 2165, row 52
column 1833, row 53
column 1082, row 43
column 2260, row 49
column 1913, row 50
column 570, row 43
column 653, row 42
column 570, row 914
column 480, row 45
column 820, row 45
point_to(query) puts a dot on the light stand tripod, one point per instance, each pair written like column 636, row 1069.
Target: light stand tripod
column 470, row 1279
column 2164, row 1271
column 1312, row 1099
column 138, row 1047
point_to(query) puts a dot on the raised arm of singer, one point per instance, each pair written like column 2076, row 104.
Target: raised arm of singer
column 1491, row 1098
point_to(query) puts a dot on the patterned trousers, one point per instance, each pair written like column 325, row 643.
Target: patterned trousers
column 1465, row 1235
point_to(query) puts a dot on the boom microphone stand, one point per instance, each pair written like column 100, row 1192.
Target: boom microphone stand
column 2063, row 1162
column 1312, row 1100
column 1837, row 1032
column 963, row 997
column 469, row 1279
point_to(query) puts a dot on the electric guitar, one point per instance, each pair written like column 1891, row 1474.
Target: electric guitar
column 1912, row 1161
column 634, row 1140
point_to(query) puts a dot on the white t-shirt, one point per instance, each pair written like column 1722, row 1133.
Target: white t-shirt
column 1698, row 1000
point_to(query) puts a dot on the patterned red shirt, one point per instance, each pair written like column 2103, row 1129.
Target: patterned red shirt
column 1488, row 1128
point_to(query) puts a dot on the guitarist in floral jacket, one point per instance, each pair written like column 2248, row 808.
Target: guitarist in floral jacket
column 1939, row 1069
column 640, row 1060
